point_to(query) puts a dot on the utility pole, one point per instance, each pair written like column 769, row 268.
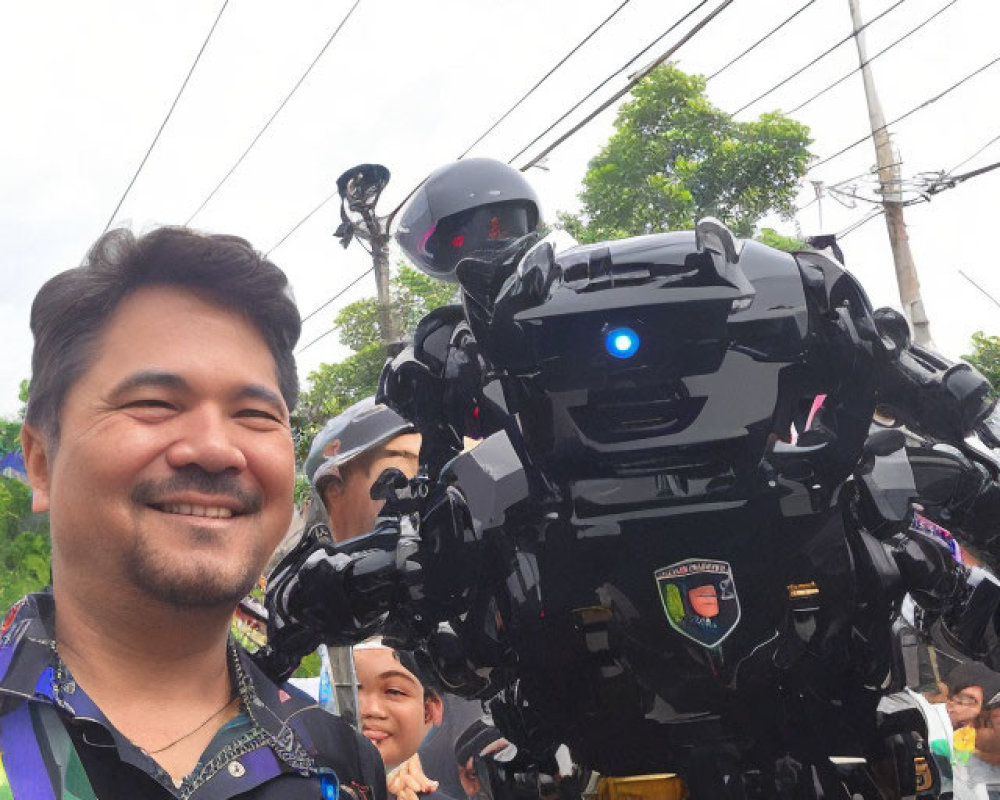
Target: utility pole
column 360, row 188
column 890, row 177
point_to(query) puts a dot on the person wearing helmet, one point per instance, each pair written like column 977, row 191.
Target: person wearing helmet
column 348, row 456
column 474, row 208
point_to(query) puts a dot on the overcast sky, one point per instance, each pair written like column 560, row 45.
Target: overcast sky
column 411, row 85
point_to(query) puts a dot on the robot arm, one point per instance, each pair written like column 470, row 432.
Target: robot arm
column 393, row 580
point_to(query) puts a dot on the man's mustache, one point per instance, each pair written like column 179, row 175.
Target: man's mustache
column 193, row 478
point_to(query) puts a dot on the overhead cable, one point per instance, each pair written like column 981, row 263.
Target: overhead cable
column 544, row 78
column 980, row 150
column 818, row 58
column 315, row 311
column 886, row 49
column 274, row 115
column 863, row 221
column 901, row 117
column 760, row 41
column 166, row 119
column 301, row 222
column 607, row 80
column 631, row 84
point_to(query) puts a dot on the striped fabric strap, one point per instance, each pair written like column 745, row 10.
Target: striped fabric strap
column 23, row 775
column 22, row 757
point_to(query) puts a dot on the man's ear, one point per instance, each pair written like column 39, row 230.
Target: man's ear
column 36, row 462
column 433, row 708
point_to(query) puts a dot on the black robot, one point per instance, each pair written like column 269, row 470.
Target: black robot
column 678, row 545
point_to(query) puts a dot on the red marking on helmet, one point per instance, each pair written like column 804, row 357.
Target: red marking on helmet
column 494, row 228
column 458, row 241
column 475, row 412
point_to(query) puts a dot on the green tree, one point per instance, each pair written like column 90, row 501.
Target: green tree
column 675, row 157
column 772, row 238
column 985, row 357
column 334, row 387
column 24, row 536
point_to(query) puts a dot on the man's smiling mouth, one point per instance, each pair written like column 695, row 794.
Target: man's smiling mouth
column 190, row 510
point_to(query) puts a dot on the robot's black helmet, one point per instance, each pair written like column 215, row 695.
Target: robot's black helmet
column 466, row 209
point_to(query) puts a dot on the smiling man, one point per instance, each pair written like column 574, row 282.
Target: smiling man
column 157, row 437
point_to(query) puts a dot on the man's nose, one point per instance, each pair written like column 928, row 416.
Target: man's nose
column 207, row 438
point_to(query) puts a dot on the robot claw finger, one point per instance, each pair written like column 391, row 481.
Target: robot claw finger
column 679, row 546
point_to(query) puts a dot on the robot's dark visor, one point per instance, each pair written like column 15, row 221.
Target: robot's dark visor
column 477, row 232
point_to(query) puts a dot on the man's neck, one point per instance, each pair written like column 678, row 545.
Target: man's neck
column 133, row 646
column 159, row 674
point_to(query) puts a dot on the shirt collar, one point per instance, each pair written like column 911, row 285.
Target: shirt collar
column 30, row 669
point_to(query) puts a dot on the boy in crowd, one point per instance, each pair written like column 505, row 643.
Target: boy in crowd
column 398, row 706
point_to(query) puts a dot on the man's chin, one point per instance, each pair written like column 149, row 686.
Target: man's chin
column 191, row 586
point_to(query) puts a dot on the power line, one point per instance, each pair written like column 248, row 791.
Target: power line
column 301, row 222
column 901, row 117
column 863, row 221
column 315, row 311
column 980, row 288
column 273, row 116
column 166, row 119
column 631, row 84
column 951, row 183
column 607, row 80
column 858, row 68
column 963, row 163
column 760, row 41
column 818, row 58
column 544, row 78
column 625, row 66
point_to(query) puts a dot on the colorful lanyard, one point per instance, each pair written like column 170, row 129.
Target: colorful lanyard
column 23, row 766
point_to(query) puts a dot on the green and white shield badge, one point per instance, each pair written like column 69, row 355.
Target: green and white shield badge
column 699, row 598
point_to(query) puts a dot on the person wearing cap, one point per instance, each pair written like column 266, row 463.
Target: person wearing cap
column 970, row 684
column 974, row 704
column 348, row 456
column 478, row 740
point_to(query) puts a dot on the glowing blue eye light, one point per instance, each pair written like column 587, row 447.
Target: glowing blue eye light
column 621, row 342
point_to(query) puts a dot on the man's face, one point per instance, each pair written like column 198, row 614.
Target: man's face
column 704, row 601
column 349, row 505
column 391, row 704
column 174, row 469
column 964, row 706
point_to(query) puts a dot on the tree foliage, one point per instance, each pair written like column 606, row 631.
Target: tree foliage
column 24, row 536
column 334, row 387
column 24, row 544
column 675, row 157
column 772, row 238
column 985, row 357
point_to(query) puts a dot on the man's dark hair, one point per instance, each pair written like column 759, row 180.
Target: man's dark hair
column 70, row 311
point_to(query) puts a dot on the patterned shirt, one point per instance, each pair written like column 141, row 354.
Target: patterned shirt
column 56, row 744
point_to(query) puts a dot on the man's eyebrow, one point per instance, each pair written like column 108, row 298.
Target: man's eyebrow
column 257, row 391
column 147, row 379
column 389, row 453
column 171, row 380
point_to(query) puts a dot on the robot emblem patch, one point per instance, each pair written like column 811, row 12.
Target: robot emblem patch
column 699, row 598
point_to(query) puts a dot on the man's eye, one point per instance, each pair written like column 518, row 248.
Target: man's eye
column 148, row 402
column 258, row 413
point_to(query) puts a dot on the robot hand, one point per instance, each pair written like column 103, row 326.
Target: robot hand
column 321, row 593
column 394, row 580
